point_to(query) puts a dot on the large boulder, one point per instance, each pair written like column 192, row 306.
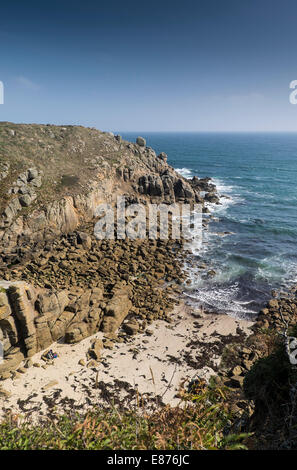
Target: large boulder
column 19, row 297
column 141, row 141
column 59, row 328
column 163, row 156
column 95, row 350
column 11, row 363
column 76, row 332
column 52, row 304
column 151, row 185
column 183, row 190
column 84, row 239
column 86, row 318
column 117, row 309
column 212, row 197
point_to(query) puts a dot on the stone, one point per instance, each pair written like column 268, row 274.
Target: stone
column 76, row 332
column 237, row 370
column 212, row 197
column 12, row 209
column 32, row 174
column 237, row 381
column 151, row 185
column 15, row 375
column 92, row 363
column 183, row 190
column 211, row 273
column 5, row 310
column 117, row 309
column 131, row 328
column 95, row 350
column 52, row 303
column 245, row 350
column 162, row 156
column 106, row 281
column 36, row 182
column 50, row 384
column 85, row 240
column 273, row 304
column 5, row 393
column 43, row 335
column 22, row 307
column 5, row 375
column 141, row 141
column 27, row 199
column 247, row 364
column 10, row 363
column 108, row 344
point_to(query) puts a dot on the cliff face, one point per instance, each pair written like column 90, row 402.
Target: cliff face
column 59, row 282
column 52, row 178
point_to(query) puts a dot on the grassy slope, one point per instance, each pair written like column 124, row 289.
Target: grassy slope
column 60, row 152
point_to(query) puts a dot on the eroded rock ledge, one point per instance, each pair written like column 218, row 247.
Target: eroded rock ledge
column 32, row 319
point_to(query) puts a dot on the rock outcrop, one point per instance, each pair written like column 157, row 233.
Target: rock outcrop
column 31, row 321
column 118, row 308
column 58, row 281
column 44, row 191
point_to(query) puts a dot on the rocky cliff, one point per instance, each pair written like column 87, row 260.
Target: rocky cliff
column 58, row 281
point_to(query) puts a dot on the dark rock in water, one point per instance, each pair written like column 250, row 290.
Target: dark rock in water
column 203, row 184
column 182, row 190
column 212, row 197
column 211, row 273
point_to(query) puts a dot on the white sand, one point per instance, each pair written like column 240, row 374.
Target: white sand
column 161, row 355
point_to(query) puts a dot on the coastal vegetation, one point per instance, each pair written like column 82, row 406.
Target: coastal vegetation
column 203, row 422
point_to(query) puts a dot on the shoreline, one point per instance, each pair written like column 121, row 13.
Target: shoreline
column 153, row 365
column 112, row 302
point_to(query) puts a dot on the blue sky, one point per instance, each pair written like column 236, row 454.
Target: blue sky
column 201, row 65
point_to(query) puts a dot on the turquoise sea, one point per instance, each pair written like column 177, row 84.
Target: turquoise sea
column 258, row 172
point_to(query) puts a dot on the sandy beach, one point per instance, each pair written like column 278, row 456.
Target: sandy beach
column 153, row 365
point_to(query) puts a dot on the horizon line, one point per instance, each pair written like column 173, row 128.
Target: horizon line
column 209, row 132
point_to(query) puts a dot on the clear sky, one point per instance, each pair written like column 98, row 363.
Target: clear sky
column 191, row 65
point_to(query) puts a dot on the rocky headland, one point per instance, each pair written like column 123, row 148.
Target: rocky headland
column 59, row 283
column 112, row 310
